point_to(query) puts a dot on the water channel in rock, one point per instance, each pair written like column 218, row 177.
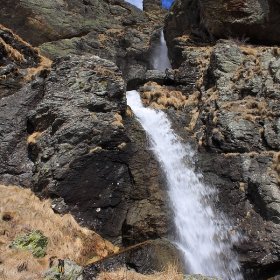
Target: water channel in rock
column 203, row 235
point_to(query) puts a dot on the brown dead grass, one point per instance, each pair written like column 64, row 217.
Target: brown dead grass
column 124, row 274
column 102, row 71
column 118, row 120
column 160, row 97
column 32, row 138
column 248, row 108
column 13, row 54
column 21, row 212
column 15, row 35
column 276, row 166
column 102, row 38
column 45, row 64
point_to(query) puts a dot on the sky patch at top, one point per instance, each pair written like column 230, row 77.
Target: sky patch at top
column 139, row 3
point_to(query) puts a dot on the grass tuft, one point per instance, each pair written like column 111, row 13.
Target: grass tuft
column 170, row 273
column 22, row 212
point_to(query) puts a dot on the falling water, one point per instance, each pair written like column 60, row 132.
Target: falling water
column 202, row 235
column 160, row 59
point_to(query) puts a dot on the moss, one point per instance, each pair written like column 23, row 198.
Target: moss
column 35, row 242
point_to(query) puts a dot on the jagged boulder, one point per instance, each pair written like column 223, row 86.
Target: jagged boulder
column 72, row 271
column 78, row 144
column 145, row 258
column 255, row 20
column 35, row 242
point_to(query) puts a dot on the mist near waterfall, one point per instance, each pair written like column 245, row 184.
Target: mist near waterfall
column 204, row 236
column 160, row 58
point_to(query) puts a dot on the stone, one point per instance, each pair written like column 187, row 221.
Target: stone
column 202, row 22
column 146, row 258
column 72, row 271
column 114, row 30
column 35, row 242
column 199, row 277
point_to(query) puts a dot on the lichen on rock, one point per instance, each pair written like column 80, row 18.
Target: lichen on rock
column 72, row 271
column 34, row 242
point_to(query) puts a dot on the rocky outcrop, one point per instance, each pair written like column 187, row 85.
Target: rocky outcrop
column 145, row 258
column 202, row 22
column 19, row 63
column 224, row 101
column 255, row 20
column 17, row 60
column 72, row 271
column 150, row 5
column 77, row 142
column 114, row 30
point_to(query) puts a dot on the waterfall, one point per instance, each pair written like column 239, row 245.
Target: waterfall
column 202, row 234
column 160, row 58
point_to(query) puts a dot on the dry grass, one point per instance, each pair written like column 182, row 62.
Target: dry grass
column 195, row 114
column 45, row 64
column 129, row 112
column 102, row 71
column 19, row 58
column 21, row 212
column 12, row 53
column 95, row 149
column 276, row 166
column 15, row 35
column 248, row 108
column 160, row 97
column 102, row 38
column 118, row 120
column 32, row 138
column 124, row 274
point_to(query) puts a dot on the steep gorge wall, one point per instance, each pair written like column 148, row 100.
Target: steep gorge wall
column 114, row 30
column 224, row 99
column 80, row 145
column 197, row 23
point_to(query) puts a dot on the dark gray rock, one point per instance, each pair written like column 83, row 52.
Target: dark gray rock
column 202, row 22
column 114, row 30
column 144, row 258
column 88, row 152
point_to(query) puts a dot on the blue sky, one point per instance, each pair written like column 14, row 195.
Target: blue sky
column 167, row 3
column 138, row 3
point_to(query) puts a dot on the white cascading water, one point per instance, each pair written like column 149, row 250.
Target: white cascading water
column 160, row 59
column 202, row 235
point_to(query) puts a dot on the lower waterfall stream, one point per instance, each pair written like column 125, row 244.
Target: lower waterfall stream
column 202, row 235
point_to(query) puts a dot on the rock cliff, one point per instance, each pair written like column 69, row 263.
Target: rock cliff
column 114, row 30
column 80, row 145
column 76, row 141
column 192, row 22
column 224, row 101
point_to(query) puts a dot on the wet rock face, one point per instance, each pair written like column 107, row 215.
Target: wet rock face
column 17, row 98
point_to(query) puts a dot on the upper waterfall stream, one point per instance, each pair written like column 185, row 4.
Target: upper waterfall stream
column 160, row 59
column 202, row 234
